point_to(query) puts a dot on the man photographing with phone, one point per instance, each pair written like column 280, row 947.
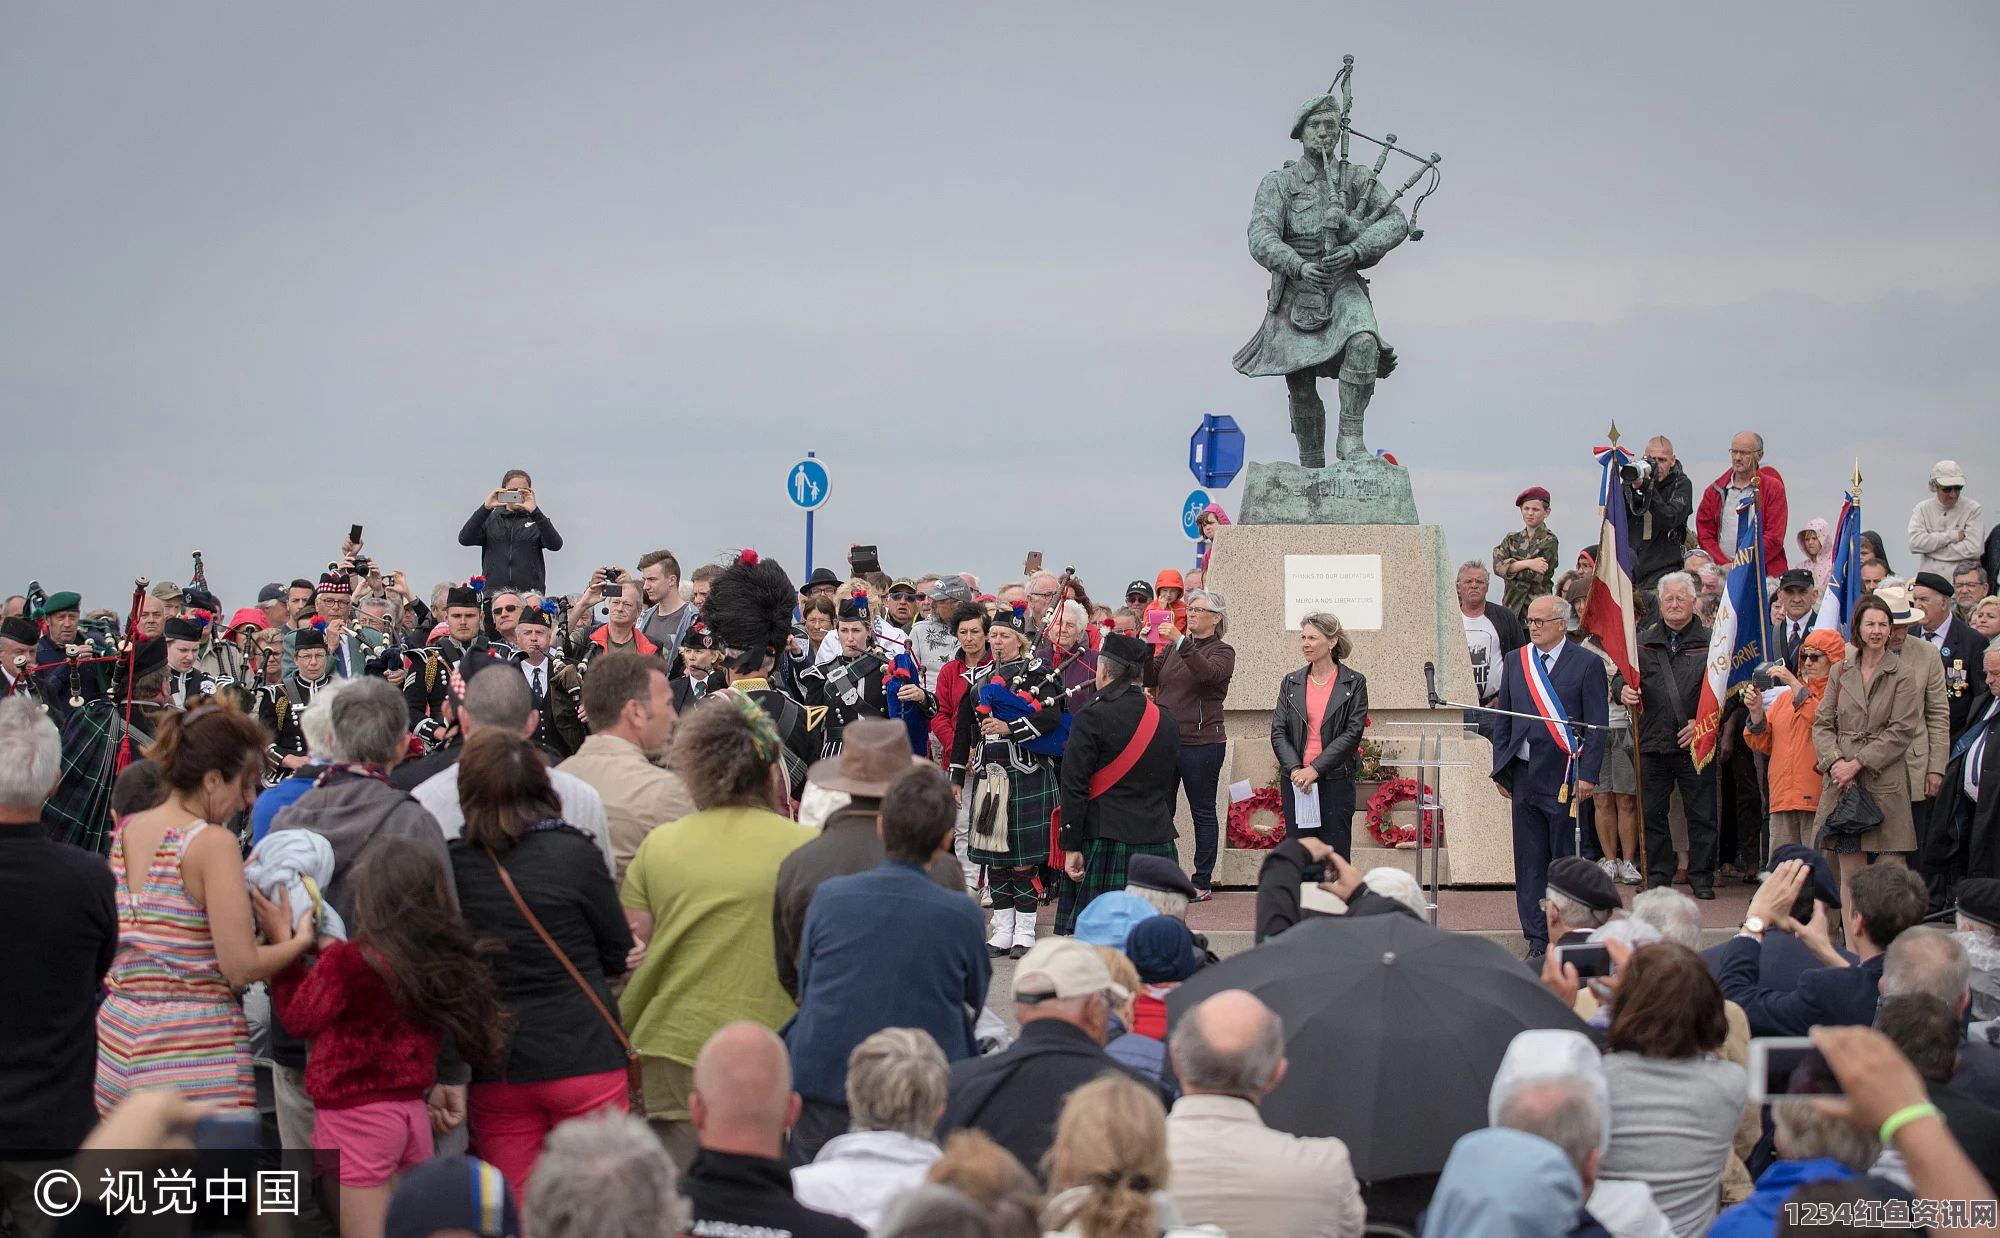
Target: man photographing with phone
column 512, row 532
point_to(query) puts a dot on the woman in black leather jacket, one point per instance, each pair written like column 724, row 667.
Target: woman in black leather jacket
column 1316, row 732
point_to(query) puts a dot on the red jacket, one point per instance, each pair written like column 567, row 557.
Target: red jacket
column 951, row 689
column 363, row 1049
column 1771, row 503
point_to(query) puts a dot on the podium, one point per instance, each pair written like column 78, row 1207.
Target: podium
column 1392, row 587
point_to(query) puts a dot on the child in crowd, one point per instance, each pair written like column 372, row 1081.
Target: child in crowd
column 375, row 1009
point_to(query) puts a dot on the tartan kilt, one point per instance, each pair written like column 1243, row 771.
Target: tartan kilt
column 1104, row 864
column 1031, row 802
column 78, row 811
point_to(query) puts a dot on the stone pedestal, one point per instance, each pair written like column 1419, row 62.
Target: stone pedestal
column 1367, row 491
column 1419, row 623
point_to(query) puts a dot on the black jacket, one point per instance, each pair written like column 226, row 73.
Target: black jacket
column 1014, row 1096
column 512, row 544
column 1659, row 512
column 558, row 731
column 847, row 844
column 1339, row 731
column 1278, row 887
column 558, row 1034
column 1670, row 682
column 1975, row 1126
column 1964, row 657
column 1508, row 625
column 736, row 1194
column 1138, row 808
column 59, row 917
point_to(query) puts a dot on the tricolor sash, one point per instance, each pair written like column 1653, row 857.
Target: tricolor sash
column 1550, row 708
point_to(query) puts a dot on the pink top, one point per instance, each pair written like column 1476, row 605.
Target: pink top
column 1317, row 696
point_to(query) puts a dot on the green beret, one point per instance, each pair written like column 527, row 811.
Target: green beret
column 60, row 602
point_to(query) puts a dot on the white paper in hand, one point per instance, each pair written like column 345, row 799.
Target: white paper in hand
column 1305, row 808
column 1240, row 791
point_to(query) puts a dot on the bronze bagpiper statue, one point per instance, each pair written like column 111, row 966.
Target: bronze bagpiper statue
column 1318, row 222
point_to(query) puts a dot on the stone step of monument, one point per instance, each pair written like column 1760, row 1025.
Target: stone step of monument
column 1367, row 855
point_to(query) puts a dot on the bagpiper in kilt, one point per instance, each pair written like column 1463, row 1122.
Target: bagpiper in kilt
column 1017, row 708
column 1118, row 778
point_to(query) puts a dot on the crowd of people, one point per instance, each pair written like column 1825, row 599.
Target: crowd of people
column 1865, row 739
column 674, row 907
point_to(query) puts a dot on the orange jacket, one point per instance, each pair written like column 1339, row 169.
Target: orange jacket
column 1787, row 740
column 1171, row 579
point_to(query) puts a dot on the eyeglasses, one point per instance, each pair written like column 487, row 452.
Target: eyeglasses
column 1038, row 594
column 1535, row 623
column 911, row 597
column 1949, row 489
column 1202, row 610
column 1809, row 656
column 505, row 610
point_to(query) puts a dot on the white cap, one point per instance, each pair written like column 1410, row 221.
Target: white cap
column 1947, row 473
column 1063, row 967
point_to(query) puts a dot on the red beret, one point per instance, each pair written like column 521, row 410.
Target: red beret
column 1532, row 492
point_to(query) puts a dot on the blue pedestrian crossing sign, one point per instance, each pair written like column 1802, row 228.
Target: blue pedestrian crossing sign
column 806, row 485
column 1197, row 503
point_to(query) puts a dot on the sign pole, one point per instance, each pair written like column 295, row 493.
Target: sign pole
column 809, row 530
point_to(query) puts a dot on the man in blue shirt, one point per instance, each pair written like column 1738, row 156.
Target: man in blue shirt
column 889, row 947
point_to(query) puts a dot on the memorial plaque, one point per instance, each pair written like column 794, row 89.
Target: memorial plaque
column 1348, row 586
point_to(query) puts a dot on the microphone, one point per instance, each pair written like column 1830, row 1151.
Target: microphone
column 1431, row 697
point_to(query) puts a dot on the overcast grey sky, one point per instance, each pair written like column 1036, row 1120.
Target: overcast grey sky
column 269, row 270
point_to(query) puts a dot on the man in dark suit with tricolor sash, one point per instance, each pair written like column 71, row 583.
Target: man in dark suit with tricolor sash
column 1542, row 763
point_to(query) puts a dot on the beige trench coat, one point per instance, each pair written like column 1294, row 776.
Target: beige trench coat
column 1873, row 723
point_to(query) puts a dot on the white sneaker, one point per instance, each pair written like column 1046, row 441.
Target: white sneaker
column 1609, row 867
column 1628, row 873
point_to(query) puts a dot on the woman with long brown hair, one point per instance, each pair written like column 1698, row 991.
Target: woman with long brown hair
column 376, row 1010
column 186, row 938
column 521, row 872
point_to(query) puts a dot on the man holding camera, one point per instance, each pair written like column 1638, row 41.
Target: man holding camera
column 1660, row 498
column 620, row 633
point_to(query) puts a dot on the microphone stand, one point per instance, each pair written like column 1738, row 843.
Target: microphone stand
column 1575, row 728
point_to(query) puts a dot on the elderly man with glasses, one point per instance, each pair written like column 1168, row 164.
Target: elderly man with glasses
column 1538, row 774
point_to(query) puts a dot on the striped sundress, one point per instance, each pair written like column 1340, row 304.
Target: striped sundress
column 169, row 1017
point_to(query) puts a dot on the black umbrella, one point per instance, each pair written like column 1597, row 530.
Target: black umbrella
column 1394, row 1031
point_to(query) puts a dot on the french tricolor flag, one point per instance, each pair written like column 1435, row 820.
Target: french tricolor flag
column 1843, row 583
column 1609, row 615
